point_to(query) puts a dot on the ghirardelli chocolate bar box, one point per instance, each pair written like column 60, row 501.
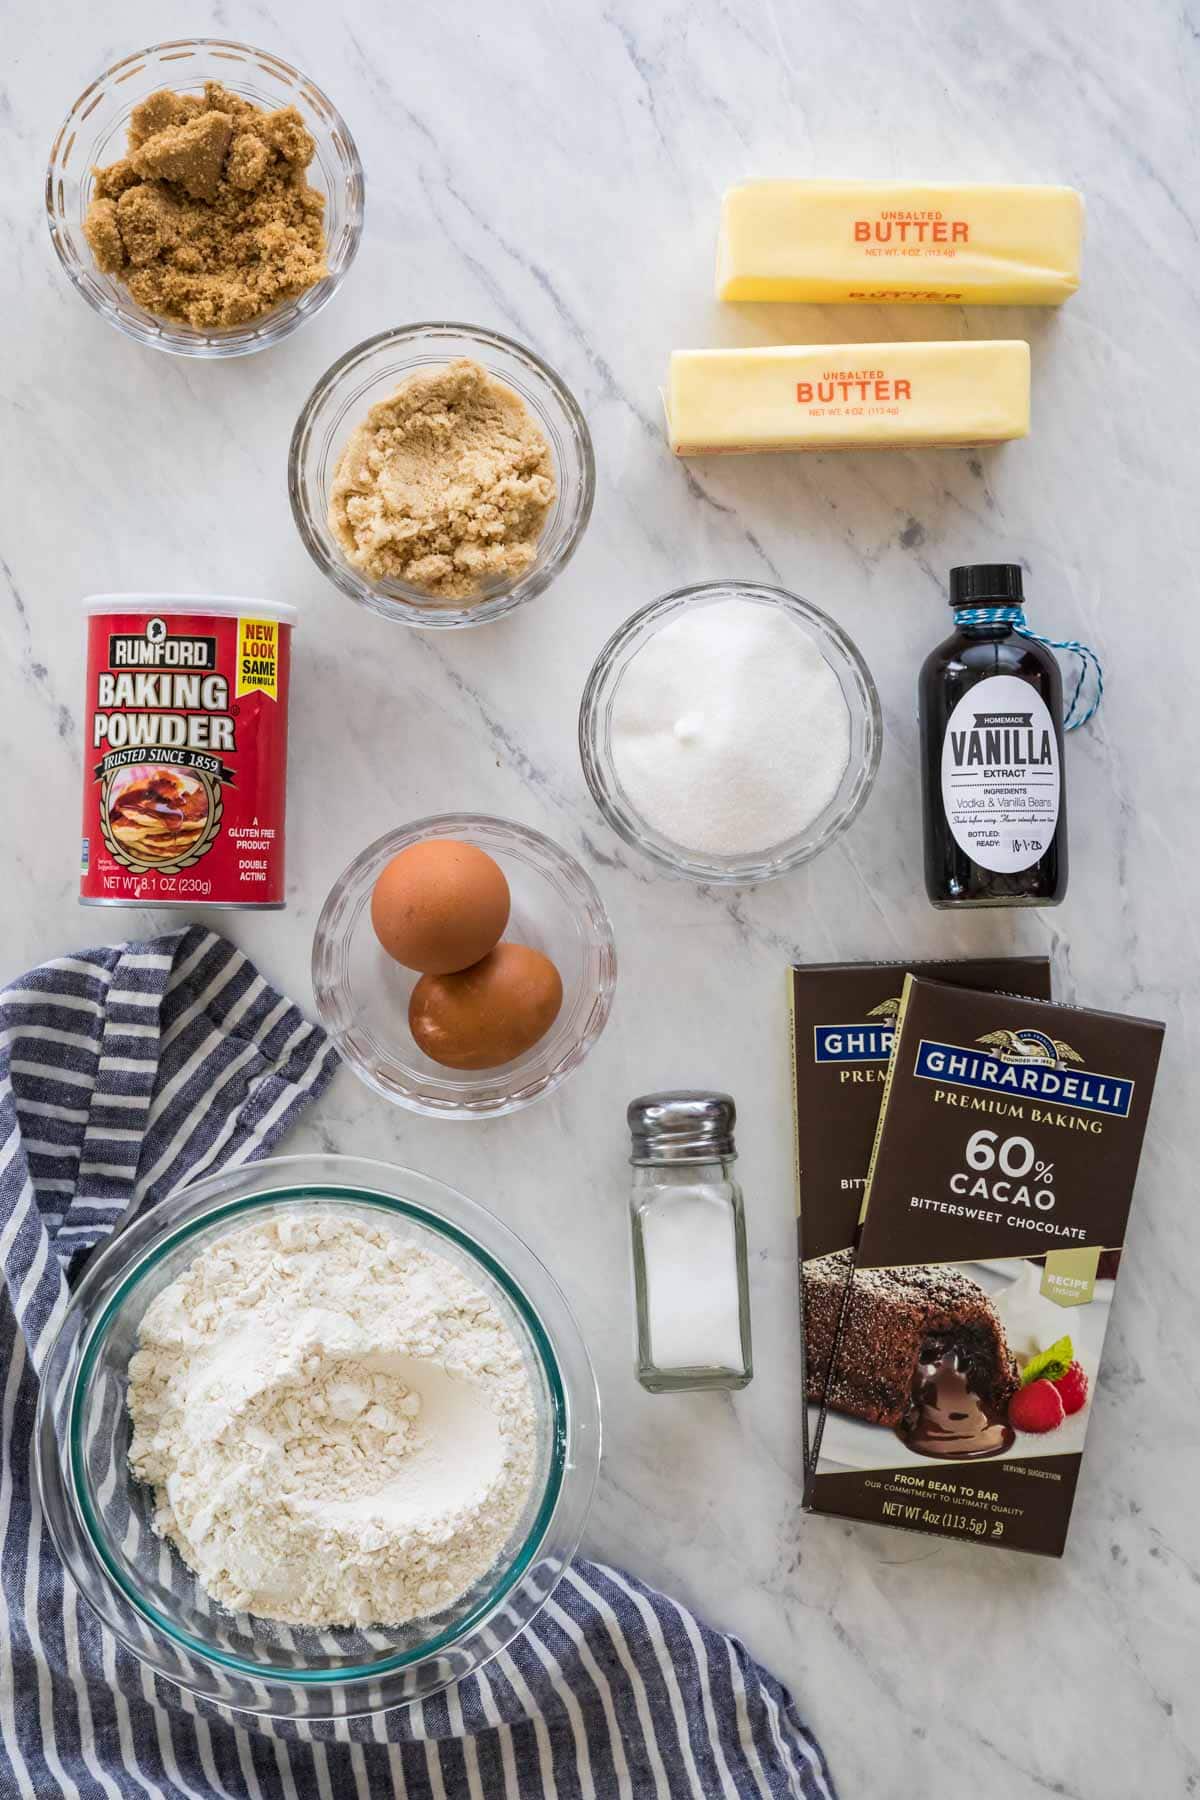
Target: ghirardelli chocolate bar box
column 963, row 1353
column 843, row 1019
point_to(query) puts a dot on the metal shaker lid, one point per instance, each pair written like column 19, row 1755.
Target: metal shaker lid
column 690, row 1125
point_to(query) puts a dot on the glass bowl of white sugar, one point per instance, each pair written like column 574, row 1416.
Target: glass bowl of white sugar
column 730, row 732
column 317, row 1437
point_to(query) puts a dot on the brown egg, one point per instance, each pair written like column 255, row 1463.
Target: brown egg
column 440, row 906
column 487, row 1015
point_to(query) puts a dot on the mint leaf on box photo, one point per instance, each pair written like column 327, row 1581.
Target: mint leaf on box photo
column 1049, row 1365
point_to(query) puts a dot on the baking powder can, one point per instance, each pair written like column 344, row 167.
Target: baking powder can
column 185, row 773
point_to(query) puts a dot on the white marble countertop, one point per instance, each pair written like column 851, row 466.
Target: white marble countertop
column 554, row 170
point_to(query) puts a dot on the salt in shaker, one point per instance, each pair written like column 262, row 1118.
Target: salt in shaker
column 689, row 1244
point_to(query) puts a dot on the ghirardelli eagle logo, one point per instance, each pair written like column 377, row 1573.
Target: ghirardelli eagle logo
column 887, row 1009
column 1030, row 1046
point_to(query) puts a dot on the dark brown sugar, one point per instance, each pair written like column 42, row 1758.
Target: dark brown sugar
column 208, row 218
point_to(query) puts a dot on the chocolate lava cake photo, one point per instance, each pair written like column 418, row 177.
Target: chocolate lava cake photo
column 922, row 1351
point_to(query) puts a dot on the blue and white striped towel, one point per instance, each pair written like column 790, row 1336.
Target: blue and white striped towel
column 125, row 1073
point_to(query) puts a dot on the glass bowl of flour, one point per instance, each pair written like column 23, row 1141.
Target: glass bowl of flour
column 730, row 731
column 318, row 1437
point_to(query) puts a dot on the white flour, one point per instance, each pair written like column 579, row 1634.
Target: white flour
column 339, row 1427
column 730, row 731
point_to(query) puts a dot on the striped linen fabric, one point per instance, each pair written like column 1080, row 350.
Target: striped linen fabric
column 126, row 1072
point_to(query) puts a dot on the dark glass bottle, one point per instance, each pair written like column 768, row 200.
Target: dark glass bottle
column 991, row 708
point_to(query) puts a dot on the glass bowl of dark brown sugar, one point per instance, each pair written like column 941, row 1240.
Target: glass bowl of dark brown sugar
column 167, row 171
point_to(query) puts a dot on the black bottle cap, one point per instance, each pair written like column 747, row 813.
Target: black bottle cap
column 986, row 584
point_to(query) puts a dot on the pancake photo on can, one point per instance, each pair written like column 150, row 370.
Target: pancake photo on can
column 157, row 813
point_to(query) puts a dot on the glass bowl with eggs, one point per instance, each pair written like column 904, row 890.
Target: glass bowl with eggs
column 730, row 732
column 464, row 965
column 316, row 1437
column 441, row 474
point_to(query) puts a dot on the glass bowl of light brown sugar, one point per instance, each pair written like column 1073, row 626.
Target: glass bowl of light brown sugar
column 441, row 474
column 169, row 170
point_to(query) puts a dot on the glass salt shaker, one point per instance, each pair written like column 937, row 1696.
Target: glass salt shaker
column 689, row 1244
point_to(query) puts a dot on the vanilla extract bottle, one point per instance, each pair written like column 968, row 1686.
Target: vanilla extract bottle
column 991, row 723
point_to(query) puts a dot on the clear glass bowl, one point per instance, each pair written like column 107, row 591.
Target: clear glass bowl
column 362, row 995
column 94, row 133
column 595, row 737
column 100, row 1517
column 371, row 372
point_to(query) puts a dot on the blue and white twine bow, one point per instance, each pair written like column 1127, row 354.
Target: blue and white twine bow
column 1088, row 660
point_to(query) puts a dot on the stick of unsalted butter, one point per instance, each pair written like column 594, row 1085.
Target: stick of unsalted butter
column 847, row 396
column 899, row 241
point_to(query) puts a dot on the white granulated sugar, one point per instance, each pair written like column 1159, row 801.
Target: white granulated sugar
column 339, row 1426
column 730, row 731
